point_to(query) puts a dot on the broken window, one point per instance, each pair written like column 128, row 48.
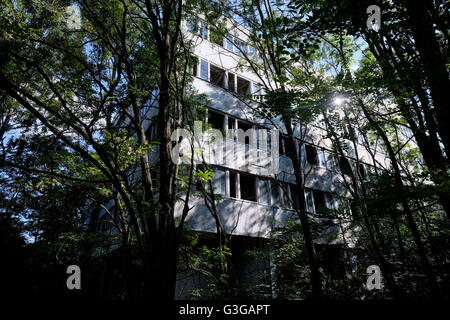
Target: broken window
column 243, row 86
column 231, row 80
column 275, row 193
column 280, row 145
column 194, row 62
column 309, row 201
column 344, row 166
column 233, row 179
column 287, row 146
column 248, row 187
column 217, row 76
column 319, row 200
column 362, row 171
column 303, row 155
column 355, row 209
column 311, row 155
column 285, row 195
column 215, row 120
column 294, row 193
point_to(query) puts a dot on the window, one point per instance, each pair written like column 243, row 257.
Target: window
column 252, row 52
column 192, row 26
column 356, row 212
column 285, row 195
column 287, row 145
column 152, row 132
column 256, row 88
column 204, row 70
column 311, row 155
column 243, row 86
column 217, row 76
column 233, row 179
column 344, row 166
column 216, row 38
column 264, row 191
column 215, row 120
column 309, row 201
column 231, row 82
column 329, row 201
column 319, row 200
column 275, row 193
column 281, row 145
column 321, row 159
column 294, row 193
column 229, row 43
column 219, row 181
column 303, row 155
column 362, row 171
column 248, row 187
column 203, row 30
column 239, row 46
column 194, row 61
column 349, row 132
column 331, row 161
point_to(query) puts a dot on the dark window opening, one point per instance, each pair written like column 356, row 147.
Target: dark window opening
column 344, row 166
column 215, row 120
column 217, row 76
column 319, row 200
column 243, row 86
column 231, row 79
column 280, row 145
column 331, row 259
column 287, row 146
column 194, row 61
column 362, row 171
column 311, row 154
column 231, row 123
column 295, row 197
column 356, row 212
column 233, row 184
column 248, row 187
